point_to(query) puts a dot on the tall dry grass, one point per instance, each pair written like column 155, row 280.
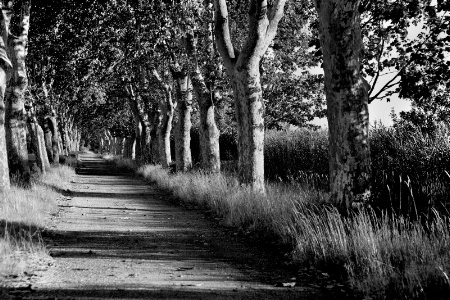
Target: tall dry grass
column 399, row 250
column 387, row 257
column 23, row 214
column 235, row 204
column 381, row 255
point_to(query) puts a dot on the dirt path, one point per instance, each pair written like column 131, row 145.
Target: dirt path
column 118, row 237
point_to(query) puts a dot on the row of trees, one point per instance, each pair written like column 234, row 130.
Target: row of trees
column 123, row 72
column 21, row 127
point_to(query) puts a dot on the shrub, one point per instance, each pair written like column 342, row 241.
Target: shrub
column 293, row 155
column 409, row 168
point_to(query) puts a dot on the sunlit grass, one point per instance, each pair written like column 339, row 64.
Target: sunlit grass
column 237, row 205
column 385, row 256
column 23, row 214
column 382, row 256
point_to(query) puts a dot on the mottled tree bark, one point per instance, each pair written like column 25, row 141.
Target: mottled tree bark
column 154, row 116
column 63, row 136
column 139, row 129
column 16, row 126
column 105, row 142
column 74, row 137
column 125, row 147
column 53, row 127
column 36, row 145
column 5, row 66
column 164, row 130
column 347, row 101
column 48, row 139
column 109, row 138
column 115, row 142
column 66, row 138
column 209, row 133
column 167, row 108
column 41, row 139
column 4, row 170
column 243, row 70
column 183, row 156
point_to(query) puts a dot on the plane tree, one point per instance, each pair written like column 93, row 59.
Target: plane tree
column 243, row 68
column 347, row 94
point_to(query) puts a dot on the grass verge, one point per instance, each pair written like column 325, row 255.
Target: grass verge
column 23, row 214
column 383, row 257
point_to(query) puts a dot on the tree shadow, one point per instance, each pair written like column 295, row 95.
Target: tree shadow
column 19, row 231
column 142, row 227
column 173, row 293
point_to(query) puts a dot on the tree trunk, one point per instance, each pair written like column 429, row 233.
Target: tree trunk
column 5, row 66
column 138, row 130
column 63, row 137
column 133, row 147
column 155, row 119
column 4, row 170
column 209, row 133
column 249, row 107
column 66, row 138
column 104, row 142
column 71, row 136
column 41, row 139
column 38, row 151
column 347, row 102
column 165, row 125
column 183, row 155
column 243, row 70
column 16, row 137
column 109, row 141
column 130, row 146
column 164, row 130
column 53, row 126
column 16, row 126
column 101, row 145
column 48, row 139
column 75, row 138
column 125, row 148
column 143, row 140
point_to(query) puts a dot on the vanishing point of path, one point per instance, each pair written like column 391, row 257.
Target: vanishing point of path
column 118, row 237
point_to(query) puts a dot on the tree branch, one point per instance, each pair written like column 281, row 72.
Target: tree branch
column 275, row 14
column 390, row 83
column 378, row 66
column 222, row 33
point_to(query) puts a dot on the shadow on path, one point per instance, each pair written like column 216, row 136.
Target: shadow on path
column 119, row 238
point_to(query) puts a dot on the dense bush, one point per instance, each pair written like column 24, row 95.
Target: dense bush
column 409, row 167
column 296, row 155
column 228, row 145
